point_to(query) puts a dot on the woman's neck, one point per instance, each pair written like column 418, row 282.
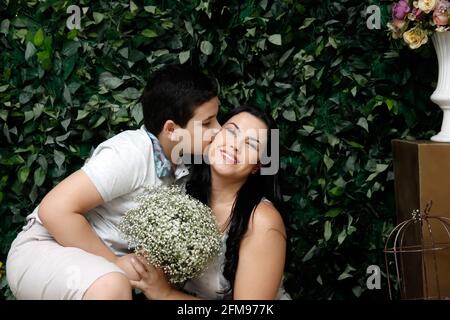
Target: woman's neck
column 223, row 190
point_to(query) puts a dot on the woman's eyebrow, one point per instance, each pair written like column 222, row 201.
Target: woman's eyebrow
column 234, row 124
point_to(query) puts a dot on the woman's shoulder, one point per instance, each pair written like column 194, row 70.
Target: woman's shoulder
column 266, row 217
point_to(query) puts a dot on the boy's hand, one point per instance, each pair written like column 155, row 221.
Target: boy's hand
column 124, row 263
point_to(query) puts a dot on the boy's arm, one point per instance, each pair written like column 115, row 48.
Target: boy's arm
column 116, row 168
column 62, row 213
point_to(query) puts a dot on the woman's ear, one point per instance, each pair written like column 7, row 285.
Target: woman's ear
column 256, row 169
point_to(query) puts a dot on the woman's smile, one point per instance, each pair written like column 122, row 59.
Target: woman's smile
column 229, row 158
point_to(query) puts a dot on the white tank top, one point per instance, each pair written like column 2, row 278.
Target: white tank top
column 212, row 282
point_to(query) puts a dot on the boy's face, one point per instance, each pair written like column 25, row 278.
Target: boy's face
column 201, row 128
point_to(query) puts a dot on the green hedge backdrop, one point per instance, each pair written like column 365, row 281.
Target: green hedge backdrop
column 338, row 90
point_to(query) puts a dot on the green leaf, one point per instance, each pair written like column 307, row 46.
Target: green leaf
column 289, row 115
column 65, row 123
column 44, row 58
column 67, row 96
column 137, row 114
column 12, row 160
column 37, row 110
column 332, row 213
column 328, row 162
column 357, row 291
column 355, row 144
column 275, row 39
column 26, row 94
column 381, row 167
column 4, row 26
column 59, row 158
column 23, row 174
column 150, row 9
column 72, row 34
column 184, row 56
column 362, row 122
column 28, row 116
column 109, row 81
column 327, row 230
column 4, row 114
column 337, row 191
column 344, row 275
column 70, row 48
column 38, row 39
column 342, row 236
column 29, row 51
column 378, row 169
column 206, row 47
column 189, row 29
column 100, row 120
column 39, row 176
column 98, row 17
column 309, row 254
column 307, row 23
column 133, row 7
column 68, row 65
column 149, row 33
column 82, row 114
column 62, row 137
column 131, row 93
column 167, row 25
column 332, row 42
column 309, row 129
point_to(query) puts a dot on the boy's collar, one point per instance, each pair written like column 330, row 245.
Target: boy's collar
column 163, row 166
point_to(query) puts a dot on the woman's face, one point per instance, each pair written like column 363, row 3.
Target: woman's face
column 237, row 148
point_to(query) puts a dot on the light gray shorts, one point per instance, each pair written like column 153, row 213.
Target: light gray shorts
column 38, row 268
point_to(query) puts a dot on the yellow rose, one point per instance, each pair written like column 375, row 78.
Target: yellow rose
column 427, row 5
column 415, row 37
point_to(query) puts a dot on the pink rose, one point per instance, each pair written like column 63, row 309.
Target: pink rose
column 440, row 15
column 400, row 10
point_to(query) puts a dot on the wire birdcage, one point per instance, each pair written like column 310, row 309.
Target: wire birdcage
column 421, row 250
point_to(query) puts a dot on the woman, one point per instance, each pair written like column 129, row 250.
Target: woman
column 244, row 203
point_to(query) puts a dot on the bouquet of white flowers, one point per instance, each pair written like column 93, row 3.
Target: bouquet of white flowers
column 173, row 231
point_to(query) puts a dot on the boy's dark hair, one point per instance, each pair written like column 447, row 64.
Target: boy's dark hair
column 173, row 93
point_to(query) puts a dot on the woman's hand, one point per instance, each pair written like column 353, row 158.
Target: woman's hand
column 153, row 282
column 124, row 263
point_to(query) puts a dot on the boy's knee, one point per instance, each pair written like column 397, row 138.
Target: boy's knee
column 111, row 286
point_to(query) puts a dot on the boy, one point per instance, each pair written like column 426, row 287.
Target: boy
column 71, row 247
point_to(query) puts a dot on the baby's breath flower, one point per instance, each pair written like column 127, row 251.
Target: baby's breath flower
column 173, row 231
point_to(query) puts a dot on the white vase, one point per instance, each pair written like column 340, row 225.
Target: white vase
column 441, row 96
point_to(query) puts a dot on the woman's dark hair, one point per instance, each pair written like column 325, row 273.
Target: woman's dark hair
column 173, row 93
column 248, row 197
